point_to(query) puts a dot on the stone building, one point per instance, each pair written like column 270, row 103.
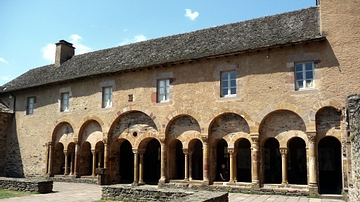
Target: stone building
column 266, row 97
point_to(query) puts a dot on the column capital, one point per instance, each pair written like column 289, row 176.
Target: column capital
column 283, row 151
column 65, row 151
column 232, row 151
column 186, row 151
column 93, row 151
column 205, row 138
column 162, row 139
column 311, row 136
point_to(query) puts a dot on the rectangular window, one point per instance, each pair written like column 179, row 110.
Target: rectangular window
column 64, row 102
column 107, row 97
column 163, row 90
column 228, row 84
column 304, row 75
column 30, row 105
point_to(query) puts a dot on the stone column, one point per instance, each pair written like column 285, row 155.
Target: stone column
column 50, row 160
column 312, row 181
column 283, row 152
column 190, row 164
column 255, row 161
column 66, row 163
column 205, row 160
column 106, row 154
column 141, row 166
column 136, row 172
column 186, row 155
column 99, row 159
column 77, row 160
column 93, row 162
column 232, row 165
column 163, row 161
column 72, row 164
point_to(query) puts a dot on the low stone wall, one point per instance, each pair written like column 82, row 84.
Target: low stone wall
column 74, row 179
column 151, row 193
column 244, row 188
column 22, row 184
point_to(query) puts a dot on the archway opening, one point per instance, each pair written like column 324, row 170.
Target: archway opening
column 197, row 161
column 99, row 158
column 59, row 164
column 329, row 153
column 244, row 161
column 152, row 162
column 126, row 163
column 272, row 161
column 222, row 158
column 71, row 158
column 177, row 160
column 86, row 159
column 297, row 168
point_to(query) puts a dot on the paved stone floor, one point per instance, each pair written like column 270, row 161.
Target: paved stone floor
column 77, row 192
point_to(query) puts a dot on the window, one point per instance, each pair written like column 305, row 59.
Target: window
column 64, row 102
column 163, row 90
column 30, row 105
column 304, row 75
column 228, row 84
column 107, row 97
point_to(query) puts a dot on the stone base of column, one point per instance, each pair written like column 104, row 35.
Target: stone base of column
column 313, row 190
column 255, row 185
column 161, row 183
column 205, row 182
column 135, row 184
column 231, row 183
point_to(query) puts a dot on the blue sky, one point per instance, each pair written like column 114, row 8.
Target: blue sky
column 29, row 29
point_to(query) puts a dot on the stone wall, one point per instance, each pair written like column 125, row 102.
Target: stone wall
column 21, row 184
column 146, row 193
column 5, row 119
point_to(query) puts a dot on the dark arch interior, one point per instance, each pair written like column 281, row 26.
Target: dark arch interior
column 297, row 170
column 197, row 161
column 152, row 162
column 329, row 153
column 180, row 161
column 222, row 156
column 126, row 162
column 244, row 161
column 272, row 161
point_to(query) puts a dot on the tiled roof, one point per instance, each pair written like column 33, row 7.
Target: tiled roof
column 290, row 27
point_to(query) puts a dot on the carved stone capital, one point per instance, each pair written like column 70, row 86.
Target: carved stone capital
column 205, row 138
column 311, row 136
column 186, row 151
column 162, row 139
column 283, row 152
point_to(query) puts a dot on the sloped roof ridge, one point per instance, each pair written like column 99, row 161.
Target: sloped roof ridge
column 289, row 27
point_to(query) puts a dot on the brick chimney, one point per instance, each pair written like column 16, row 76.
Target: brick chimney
column 64, row 51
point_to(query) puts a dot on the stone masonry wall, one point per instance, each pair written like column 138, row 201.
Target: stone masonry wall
column 20, row 184
column 5, row 119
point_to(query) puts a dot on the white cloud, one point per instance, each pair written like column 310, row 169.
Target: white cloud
column 5, row 78
column 80, row 48
column 49, row 50
column 136, row 38
column 191, row 15
column 4, row 61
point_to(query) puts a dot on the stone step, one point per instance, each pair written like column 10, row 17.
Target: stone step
column 332, row 196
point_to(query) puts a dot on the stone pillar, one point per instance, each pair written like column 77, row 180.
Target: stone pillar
column 255, row 161
column 72, row 164
column 66, row 163
column 190, row 164
column 312, row 181
column 136, row 172
column 77, row 160
column 93, row 162
column 141, row 166
column 205, row 160
column 186, row 155
column 283, row 152
column 232, row 165
column 163, row 161
column 50, row 160
column 99, row 158
column 106, row 154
